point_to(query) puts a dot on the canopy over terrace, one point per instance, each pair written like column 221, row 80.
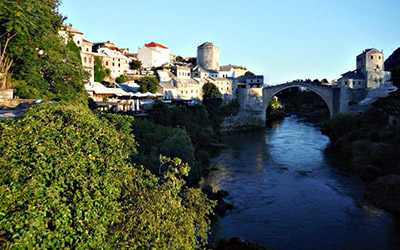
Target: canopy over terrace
column 98, row 92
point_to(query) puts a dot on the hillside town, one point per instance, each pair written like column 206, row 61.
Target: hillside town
column 182, row 79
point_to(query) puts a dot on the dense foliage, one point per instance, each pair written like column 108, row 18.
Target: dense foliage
column 66, row 181
column 367, row 140
column 120, row 79
column 135, row 64
column 210, row 92
column 43, row 66
column 99, row 71
column 148, row 84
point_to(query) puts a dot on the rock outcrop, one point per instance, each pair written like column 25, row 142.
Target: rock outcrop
column 385, row 192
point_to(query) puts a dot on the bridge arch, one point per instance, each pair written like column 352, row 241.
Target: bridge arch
column 325, row 92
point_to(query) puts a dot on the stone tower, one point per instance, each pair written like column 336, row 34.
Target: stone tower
column 208, row 56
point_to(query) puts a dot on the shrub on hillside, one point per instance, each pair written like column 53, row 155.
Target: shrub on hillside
column 66, row 182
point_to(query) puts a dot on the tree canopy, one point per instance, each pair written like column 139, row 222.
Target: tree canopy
column 148, row 84
column 67, row 181
column 43, row 66
column 135, row 64
column 249, row 73
column 211, row 92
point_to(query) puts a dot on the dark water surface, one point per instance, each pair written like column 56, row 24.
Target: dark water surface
column 288, row 195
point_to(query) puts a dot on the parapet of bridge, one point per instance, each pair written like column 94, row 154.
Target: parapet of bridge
column 254, row 102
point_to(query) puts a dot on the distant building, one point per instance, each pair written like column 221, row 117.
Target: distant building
column 224, row 86
column 188, row 89
column 370, row 73
column 114, row 60
column 208, row 56
column 231, row 71
column 200, row 72
column 164, row 76
column 154, row 55
column 248, row 82
column 87, row 56
column 99, row 45
column 181, row 71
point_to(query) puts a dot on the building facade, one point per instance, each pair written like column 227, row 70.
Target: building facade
column 208, row 56
column 114, row 60
column 370, row 72
column 69, row 32
column 154, row 55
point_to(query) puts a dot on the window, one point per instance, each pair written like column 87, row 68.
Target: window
column 113, row 64
column 106, row 63
column 119, row 65
column 372, row 57
column 379, row 57
column 359, row 83
column 87, row 49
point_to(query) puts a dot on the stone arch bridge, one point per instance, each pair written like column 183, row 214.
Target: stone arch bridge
column 254, row 102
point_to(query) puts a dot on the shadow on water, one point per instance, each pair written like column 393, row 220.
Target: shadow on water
column 288, row 194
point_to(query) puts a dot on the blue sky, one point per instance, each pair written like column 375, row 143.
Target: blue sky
column 281, row 39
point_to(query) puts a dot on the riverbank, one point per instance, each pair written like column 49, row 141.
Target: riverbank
column 371, row 147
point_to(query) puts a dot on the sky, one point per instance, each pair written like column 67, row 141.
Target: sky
column 280, row 39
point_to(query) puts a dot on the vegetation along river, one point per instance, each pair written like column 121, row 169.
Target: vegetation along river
column 288, row 194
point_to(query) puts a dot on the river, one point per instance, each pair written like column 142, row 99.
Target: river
column 288, row 194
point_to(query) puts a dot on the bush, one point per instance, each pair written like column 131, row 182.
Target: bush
column 66, row 182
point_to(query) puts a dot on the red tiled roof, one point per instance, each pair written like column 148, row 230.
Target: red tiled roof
column 86, row 41
column 111, row 48
column 153, row 44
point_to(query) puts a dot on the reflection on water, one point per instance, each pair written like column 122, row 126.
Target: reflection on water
column 287, row 195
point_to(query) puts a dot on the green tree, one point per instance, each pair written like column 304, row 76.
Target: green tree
column 249, row 73
column 135, row 64
column 66, row 181
column 42, row 63
column 316, row 82
column 148, row 84
column 324, row 80
column 211, row 92
column 120, row 79
column 99, row 71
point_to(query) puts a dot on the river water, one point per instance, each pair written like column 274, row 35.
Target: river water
column 288, row 194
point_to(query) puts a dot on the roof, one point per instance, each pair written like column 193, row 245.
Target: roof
column 371, row 50
column 226, row 68
column 153, row 44
column 185, row 81
column 167, row 86
column 111, row 48
column 86, row 41
column 207, row 44
column 242, row 79
column 201, row 69
column 72, row 29
column 353, row 75
column 99, row 88
column 219, row 79
column 129, row 86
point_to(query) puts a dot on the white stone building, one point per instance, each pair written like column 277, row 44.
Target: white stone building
column 370, row 73
column 224, row 86
column 200, row 72
column 154, row 55
column 181, row 71
column 114, row 60
column 85, row 46
column 208, row 56
column 248, row 82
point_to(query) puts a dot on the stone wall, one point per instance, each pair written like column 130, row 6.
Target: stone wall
column 16, row 103
column 252, row 113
